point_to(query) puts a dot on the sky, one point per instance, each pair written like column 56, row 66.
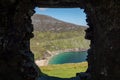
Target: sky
column 71, row 15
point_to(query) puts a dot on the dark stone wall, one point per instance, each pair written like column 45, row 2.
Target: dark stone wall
column 16, row 58
column 104, row 55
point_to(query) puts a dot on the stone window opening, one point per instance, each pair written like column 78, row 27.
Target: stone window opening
column 77, row 74
column 16, row 58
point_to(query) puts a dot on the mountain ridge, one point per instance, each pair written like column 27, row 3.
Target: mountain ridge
column 47, row 23
column 51, row 35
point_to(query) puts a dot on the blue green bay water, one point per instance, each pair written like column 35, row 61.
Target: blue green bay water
column 69, row 57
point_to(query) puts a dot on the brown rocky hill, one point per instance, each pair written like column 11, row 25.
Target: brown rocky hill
column 47, row 23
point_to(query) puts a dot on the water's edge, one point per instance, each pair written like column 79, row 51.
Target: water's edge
column 64, row 57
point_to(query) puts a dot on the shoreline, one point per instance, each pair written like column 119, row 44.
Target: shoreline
column 44, row 62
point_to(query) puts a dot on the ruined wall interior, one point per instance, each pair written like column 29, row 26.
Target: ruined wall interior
column 16, row 59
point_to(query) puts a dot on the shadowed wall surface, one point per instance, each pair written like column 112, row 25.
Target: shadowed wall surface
column 16, row 58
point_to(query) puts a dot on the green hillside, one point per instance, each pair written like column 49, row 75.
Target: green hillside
column 64, row 70
column 53, row 41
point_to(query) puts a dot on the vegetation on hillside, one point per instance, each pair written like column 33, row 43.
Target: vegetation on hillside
column 64, row 70
column 53, row 35
column 53, row 41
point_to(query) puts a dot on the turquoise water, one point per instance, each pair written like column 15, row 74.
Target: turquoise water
column 69, row 57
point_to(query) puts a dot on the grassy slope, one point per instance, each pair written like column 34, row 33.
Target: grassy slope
column 53, row 41
column 64, row 70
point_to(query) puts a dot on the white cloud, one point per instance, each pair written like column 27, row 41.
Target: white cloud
column 43, row 9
